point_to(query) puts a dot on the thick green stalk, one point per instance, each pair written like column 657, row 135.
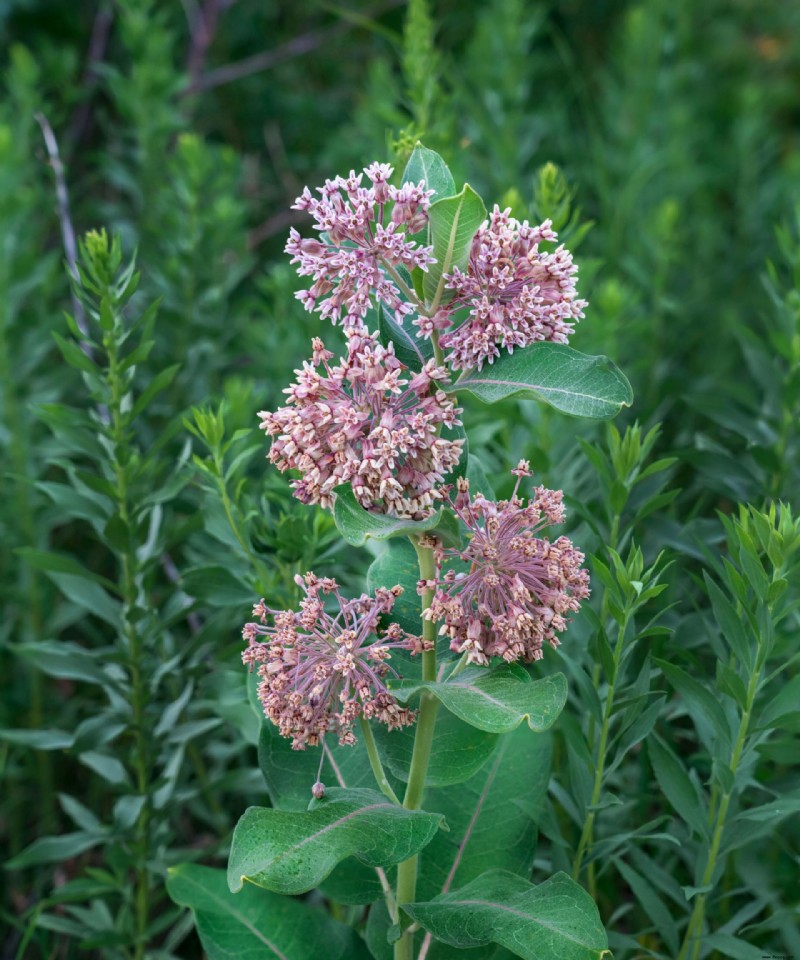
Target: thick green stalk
column 420, row 758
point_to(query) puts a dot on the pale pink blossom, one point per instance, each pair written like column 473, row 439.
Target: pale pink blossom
column 320, row 672
column 514, row 294
column 368, row 422
column 519, row 586
column 364, row 239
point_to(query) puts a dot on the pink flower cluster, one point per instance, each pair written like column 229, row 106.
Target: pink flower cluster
column 360, row 245
column 515, row 293
column 519, row 586
column 362, row 422
column 321, row 672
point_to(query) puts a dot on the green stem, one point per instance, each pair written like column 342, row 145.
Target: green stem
column 404, row 287
column 691, row 940
column 375, row 762
column 421, row 755
column 130, row 595
column 587, row 836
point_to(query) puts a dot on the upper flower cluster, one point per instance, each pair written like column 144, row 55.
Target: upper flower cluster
column 364, row 423
column 519, row 586
column 320, row 672
column 360, row 245
column 515, row 293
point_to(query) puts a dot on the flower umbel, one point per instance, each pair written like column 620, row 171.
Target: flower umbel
column 519, row 586
column 362, row 422
column 515, row 293
column 321, row 672
column 360, row 244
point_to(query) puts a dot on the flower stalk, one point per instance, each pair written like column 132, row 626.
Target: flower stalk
column 423, row 742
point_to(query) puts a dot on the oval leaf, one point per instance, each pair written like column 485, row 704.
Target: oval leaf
column 454, row 221
column 497, row 701
column 357, row 525
column 572, row 382
column 255, row 923
column 427, row 165
column 556, row 920
column 293, row 852
column 459, row 750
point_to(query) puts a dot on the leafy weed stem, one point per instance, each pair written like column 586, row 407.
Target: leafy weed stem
column 690, row 948
column 130, row 594
column 587, row 836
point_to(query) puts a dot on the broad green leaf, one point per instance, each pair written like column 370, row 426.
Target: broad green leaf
column 292, row 852
column 39, row 739
column 572, row 382
column 256, row 924
column 453, row 222
column 492, row 816
column 427, row 165
column 414, row 352
column 459, row 750
column 677, row 787
column 556, row 920
column 290, row 774
column 358, row 525
column 497, row 701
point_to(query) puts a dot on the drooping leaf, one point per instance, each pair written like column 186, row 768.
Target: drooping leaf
column 496, row 701
column 556, row 920
column 554, row 373
column 292, row 852
column 427, row 165
column 358, row 525
column 256, row 924
column 454, row 221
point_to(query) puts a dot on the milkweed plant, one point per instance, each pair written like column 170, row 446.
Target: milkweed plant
column 415, row 847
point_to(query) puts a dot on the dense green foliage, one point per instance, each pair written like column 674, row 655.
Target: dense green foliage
column 139, row 521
